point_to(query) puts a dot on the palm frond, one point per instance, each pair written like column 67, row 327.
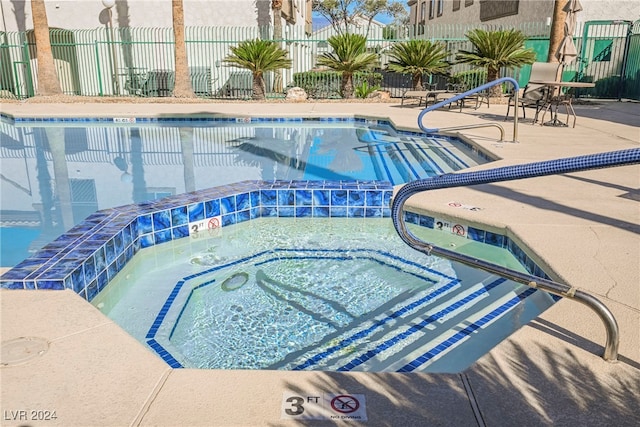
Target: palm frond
column 419, row 56
column 348, row 56
column 349, row 53
column 496, row 49
column 258, row 56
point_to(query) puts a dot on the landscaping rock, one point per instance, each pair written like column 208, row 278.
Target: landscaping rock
column 296, row 94
column 382, row 95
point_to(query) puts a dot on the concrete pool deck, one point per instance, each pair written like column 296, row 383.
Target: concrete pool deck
column 581, row 227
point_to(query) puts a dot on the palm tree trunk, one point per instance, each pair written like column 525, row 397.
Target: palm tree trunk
column 417, row 81
column 48, row 83
column 347, row 85
column 182, row 88
column 258, row 87
column 276, row 7
column 557, row 29
column 494, row 74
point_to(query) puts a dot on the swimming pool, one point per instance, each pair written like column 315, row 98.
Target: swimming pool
column 316, row 294
column 90, row 256
column 118, row 161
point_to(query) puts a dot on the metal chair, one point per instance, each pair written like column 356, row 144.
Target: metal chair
column 535, row 95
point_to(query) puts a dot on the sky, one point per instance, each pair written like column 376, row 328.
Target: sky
column 321, row 22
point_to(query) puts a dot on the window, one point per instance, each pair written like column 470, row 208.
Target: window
column 440, row 7
column 497, row 9
column 456, row 5
column 423, row 7
column 468, row 3
column 432, row 9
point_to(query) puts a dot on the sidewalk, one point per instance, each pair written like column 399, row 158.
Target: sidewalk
column 582, row 227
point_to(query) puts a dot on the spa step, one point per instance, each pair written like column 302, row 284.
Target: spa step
column 369, row 347
column 428, row 346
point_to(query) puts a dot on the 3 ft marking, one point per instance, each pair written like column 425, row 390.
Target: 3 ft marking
column 206, row 227
column 323, row 406
column 297, row 404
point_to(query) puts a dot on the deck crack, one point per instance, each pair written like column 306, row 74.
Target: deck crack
column 151, row 398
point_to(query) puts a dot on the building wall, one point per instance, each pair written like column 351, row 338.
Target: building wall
column 527, row 11
column 89, row 14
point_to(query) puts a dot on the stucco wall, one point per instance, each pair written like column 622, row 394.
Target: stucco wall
column 87, row 14
column 533, row 11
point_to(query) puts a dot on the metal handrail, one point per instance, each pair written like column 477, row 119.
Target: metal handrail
column 516, row 88
column 508, row 173
column 481, row 125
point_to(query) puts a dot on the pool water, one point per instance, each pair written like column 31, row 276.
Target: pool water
column 107, row 164
column 316, row 294
column 19, row 238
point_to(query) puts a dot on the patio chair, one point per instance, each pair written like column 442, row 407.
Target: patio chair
column 429, row 91
column 454, row 89
column 533, row 94
column 239, row 85
column 477, row 98
column 159, row 83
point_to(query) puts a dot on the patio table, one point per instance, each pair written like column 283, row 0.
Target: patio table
column 555, row 99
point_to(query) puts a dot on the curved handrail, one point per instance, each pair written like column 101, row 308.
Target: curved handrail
column 460, row 96
column 508, row 173
column 481, row 125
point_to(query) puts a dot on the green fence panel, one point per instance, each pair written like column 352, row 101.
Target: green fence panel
column 631, row 87
column 136, row 61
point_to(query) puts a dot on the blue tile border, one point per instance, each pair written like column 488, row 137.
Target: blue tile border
column 486, row 237
column 93, row 252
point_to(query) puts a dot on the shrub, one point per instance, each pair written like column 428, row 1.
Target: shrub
column 471, row 78
column 363, row 90
column 326, row 84
column 606, row 88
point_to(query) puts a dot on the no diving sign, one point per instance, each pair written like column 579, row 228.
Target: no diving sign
column 211, row 225
column 323, row 406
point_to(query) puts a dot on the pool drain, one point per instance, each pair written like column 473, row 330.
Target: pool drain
column 236, row 281
column 20, row 350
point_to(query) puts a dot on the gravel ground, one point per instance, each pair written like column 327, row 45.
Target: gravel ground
column 173, row 100
column 67, row 99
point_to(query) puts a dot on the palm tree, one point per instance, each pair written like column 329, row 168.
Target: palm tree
column 349, row 55
column 182, row 87
column 258, row 56
column 276, row 8
column 494, row 50
column 48, row 83
column 557, row 29
column 418, row 57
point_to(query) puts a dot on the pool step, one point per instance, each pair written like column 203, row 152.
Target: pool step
column 411, row 158
column 417, row 338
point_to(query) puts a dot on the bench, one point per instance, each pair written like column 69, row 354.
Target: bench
column 420, row 95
